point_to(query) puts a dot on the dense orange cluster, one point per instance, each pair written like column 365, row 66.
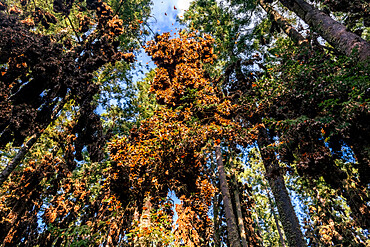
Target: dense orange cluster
column 169, row 151
column 180, row 78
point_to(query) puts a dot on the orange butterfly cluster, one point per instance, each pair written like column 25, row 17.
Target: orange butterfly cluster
column 168, row 151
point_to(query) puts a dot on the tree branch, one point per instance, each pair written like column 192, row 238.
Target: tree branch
column 24, row 150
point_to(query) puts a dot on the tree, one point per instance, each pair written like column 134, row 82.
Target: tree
column 282, row 23
column 233, row 234
column 332, row 31
column 168, row 146
column 276, row 181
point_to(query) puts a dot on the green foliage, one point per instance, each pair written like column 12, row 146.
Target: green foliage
column 227, row 24
column 157, row 232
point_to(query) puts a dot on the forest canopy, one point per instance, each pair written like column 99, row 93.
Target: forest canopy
column 249, row 127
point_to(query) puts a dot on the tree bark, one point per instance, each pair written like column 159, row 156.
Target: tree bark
column 18, row 158
column 216, row 223
column 276, row 220
column 240, row 215
column 360, row 145
column 287, row 214
column 145, row 220
column 332, row 31
column 283, row 23
column 359, row 207
column 232, row 229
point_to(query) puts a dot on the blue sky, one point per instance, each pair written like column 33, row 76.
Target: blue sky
column 165, row 14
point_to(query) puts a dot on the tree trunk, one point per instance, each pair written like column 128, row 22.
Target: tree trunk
column 216, row 223
column 258, row 229
column 18, row 158
column 359, row 207
column 360, row 146
column 232, row 229
column 240, row 215
column 283, row 23
column 276, row 220
column 332, row 31
column 287, row 214
column 145, row 220
column 363, row 159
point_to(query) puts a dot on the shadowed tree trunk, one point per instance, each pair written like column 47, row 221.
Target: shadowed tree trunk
column 232, row 229
column 283, row 23
column 145, row 219
column 360, row 145
column 239, row 214
column 332, row 31
column 355, row 195
column 216, row 220
column 276, row 220
column 287, row 214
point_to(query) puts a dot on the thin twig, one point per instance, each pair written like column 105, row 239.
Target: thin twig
column 119, row 7
column 74, row 30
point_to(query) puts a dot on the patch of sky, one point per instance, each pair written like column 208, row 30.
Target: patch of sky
column 171, row 194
